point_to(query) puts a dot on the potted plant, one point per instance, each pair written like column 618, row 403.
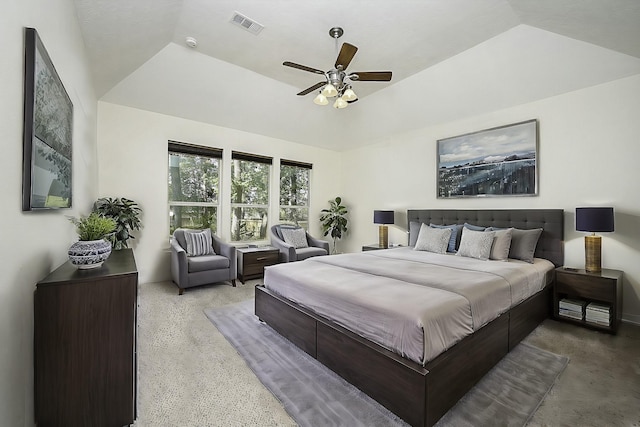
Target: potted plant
column 92, row 249
column 126, row 214
column 334, row 221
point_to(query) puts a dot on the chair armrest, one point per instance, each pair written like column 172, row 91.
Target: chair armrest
column 318, row 243
column 179, row 269
column 287, row 251
column 227, row 250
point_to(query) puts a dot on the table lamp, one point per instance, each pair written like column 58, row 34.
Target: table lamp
column 383, row 218
column 593, row 220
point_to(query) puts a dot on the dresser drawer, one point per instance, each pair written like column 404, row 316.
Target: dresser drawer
column 596, row 288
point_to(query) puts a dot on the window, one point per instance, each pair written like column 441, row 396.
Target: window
column 294, row 192
column 194, row 186
column 249, row 196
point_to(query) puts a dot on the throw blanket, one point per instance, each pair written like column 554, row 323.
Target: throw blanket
column 417, row 304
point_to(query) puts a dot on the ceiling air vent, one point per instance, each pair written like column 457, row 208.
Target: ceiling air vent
column 246, row 23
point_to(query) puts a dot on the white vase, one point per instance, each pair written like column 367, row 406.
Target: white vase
column 89, row 254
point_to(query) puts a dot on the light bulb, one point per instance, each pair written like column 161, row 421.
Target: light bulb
column 340, row 103
column 329, row 91
column 349, row 95
column 320, row 99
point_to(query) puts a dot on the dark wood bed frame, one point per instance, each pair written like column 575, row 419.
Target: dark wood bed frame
column 422, row 395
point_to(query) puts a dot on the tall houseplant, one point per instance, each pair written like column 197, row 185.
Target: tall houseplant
column 92, row 249
column 126, row 214
column 334, row 220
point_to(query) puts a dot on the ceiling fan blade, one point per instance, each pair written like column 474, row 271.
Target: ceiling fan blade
column 371, row 76
column 302, row 67
column 312, row 88
column 346, row 55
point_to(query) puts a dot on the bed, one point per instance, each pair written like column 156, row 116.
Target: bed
column 419, row 390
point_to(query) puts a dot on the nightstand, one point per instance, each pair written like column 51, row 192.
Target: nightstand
column 376, row 246
column 252, row 261
column 604, row 289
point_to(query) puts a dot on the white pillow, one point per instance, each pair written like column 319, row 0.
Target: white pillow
column 432, row 239
column 476, row 244
column 296, row 237
column 501, row 244
column 199, row 242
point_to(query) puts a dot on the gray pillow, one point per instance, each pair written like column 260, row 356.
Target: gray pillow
column 501, row 244
column 433, row 239
column 476, row 244
column 523, row 244
column 414, row 230
column 455, row 230
column 199, row 242
column 296, row 237
column 474, row 227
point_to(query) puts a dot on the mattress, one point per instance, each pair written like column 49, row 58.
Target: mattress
column 417, row 304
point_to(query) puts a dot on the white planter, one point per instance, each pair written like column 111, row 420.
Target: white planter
column 89, row 254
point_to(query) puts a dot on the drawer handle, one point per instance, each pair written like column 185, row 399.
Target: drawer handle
column 262, row 258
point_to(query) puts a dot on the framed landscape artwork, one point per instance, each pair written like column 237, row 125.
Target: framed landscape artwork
column 494, row 162
column 48, row 129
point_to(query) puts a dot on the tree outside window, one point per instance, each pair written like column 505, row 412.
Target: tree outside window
column 294, row 192
column 249, row 197
column 194, row 186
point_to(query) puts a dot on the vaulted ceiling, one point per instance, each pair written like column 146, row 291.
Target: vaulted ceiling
column 450, row 59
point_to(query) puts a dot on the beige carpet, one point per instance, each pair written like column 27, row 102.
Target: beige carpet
column 189, row 375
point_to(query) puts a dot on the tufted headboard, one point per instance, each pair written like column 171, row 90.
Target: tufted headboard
column 551, row 243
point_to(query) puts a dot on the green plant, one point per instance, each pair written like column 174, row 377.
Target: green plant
column 334, row 221
column 93, row 227
column 126, row 214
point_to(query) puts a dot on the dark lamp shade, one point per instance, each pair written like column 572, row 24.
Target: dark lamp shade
column 383, row 217
column 594, row 219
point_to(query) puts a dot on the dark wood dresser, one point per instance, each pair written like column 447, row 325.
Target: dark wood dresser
column 85, row 344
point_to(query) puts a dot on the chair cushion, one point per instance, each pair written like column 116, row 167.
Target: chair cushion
column 278, row 228
column 199, row 242
column 296, row 237
column 207, row 262
column 304, row 253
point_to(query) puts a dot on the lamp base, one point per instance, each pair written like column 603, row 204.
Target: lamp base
column 383, row 236
column 593, row 253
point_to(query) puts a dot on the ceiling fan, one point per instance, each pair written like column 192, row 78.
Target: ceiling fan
column 337, row 82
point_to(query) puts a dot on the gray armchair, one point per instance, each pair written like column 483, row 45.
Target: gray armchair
column 187, row 272
column 289, row 253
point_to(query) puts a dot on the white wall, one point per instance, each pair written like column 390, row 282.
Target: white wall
column 588, row 156
column 35, row 243
column 132, row 151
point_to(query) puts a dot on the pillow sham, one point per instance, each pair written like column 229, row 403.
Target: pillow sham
column 501, row 244
column 414, row 230
column 455, row 230
column 199, row 242
column 474, row 227
column 523, row 244
column 432, row 239
column 296, row 237
column 476, row 244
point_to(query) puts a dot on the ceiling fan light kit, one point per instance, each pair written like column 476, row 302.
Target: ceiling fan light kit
column 337, row 81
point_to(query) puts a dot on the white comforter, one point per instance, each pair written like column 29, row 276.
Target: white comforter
column 415, row 303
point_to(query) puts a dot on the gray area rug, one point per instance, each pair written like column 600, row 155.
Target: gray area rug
column 315, row 396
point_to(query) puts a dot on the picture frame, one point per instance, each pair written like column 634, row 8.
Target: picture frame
column 501, row 161
column 48, row 131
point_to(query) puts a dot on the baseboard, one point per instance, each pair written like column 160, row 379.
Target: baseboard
column 634, row 319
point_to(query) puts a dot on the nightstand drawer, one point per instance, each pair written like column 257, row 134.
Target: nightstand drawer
column 595, row 288
column 262, row 258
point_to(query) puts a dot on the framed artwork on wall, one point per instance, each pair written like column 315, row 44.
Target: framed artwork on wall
column 500, row 161
column 48, row 130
